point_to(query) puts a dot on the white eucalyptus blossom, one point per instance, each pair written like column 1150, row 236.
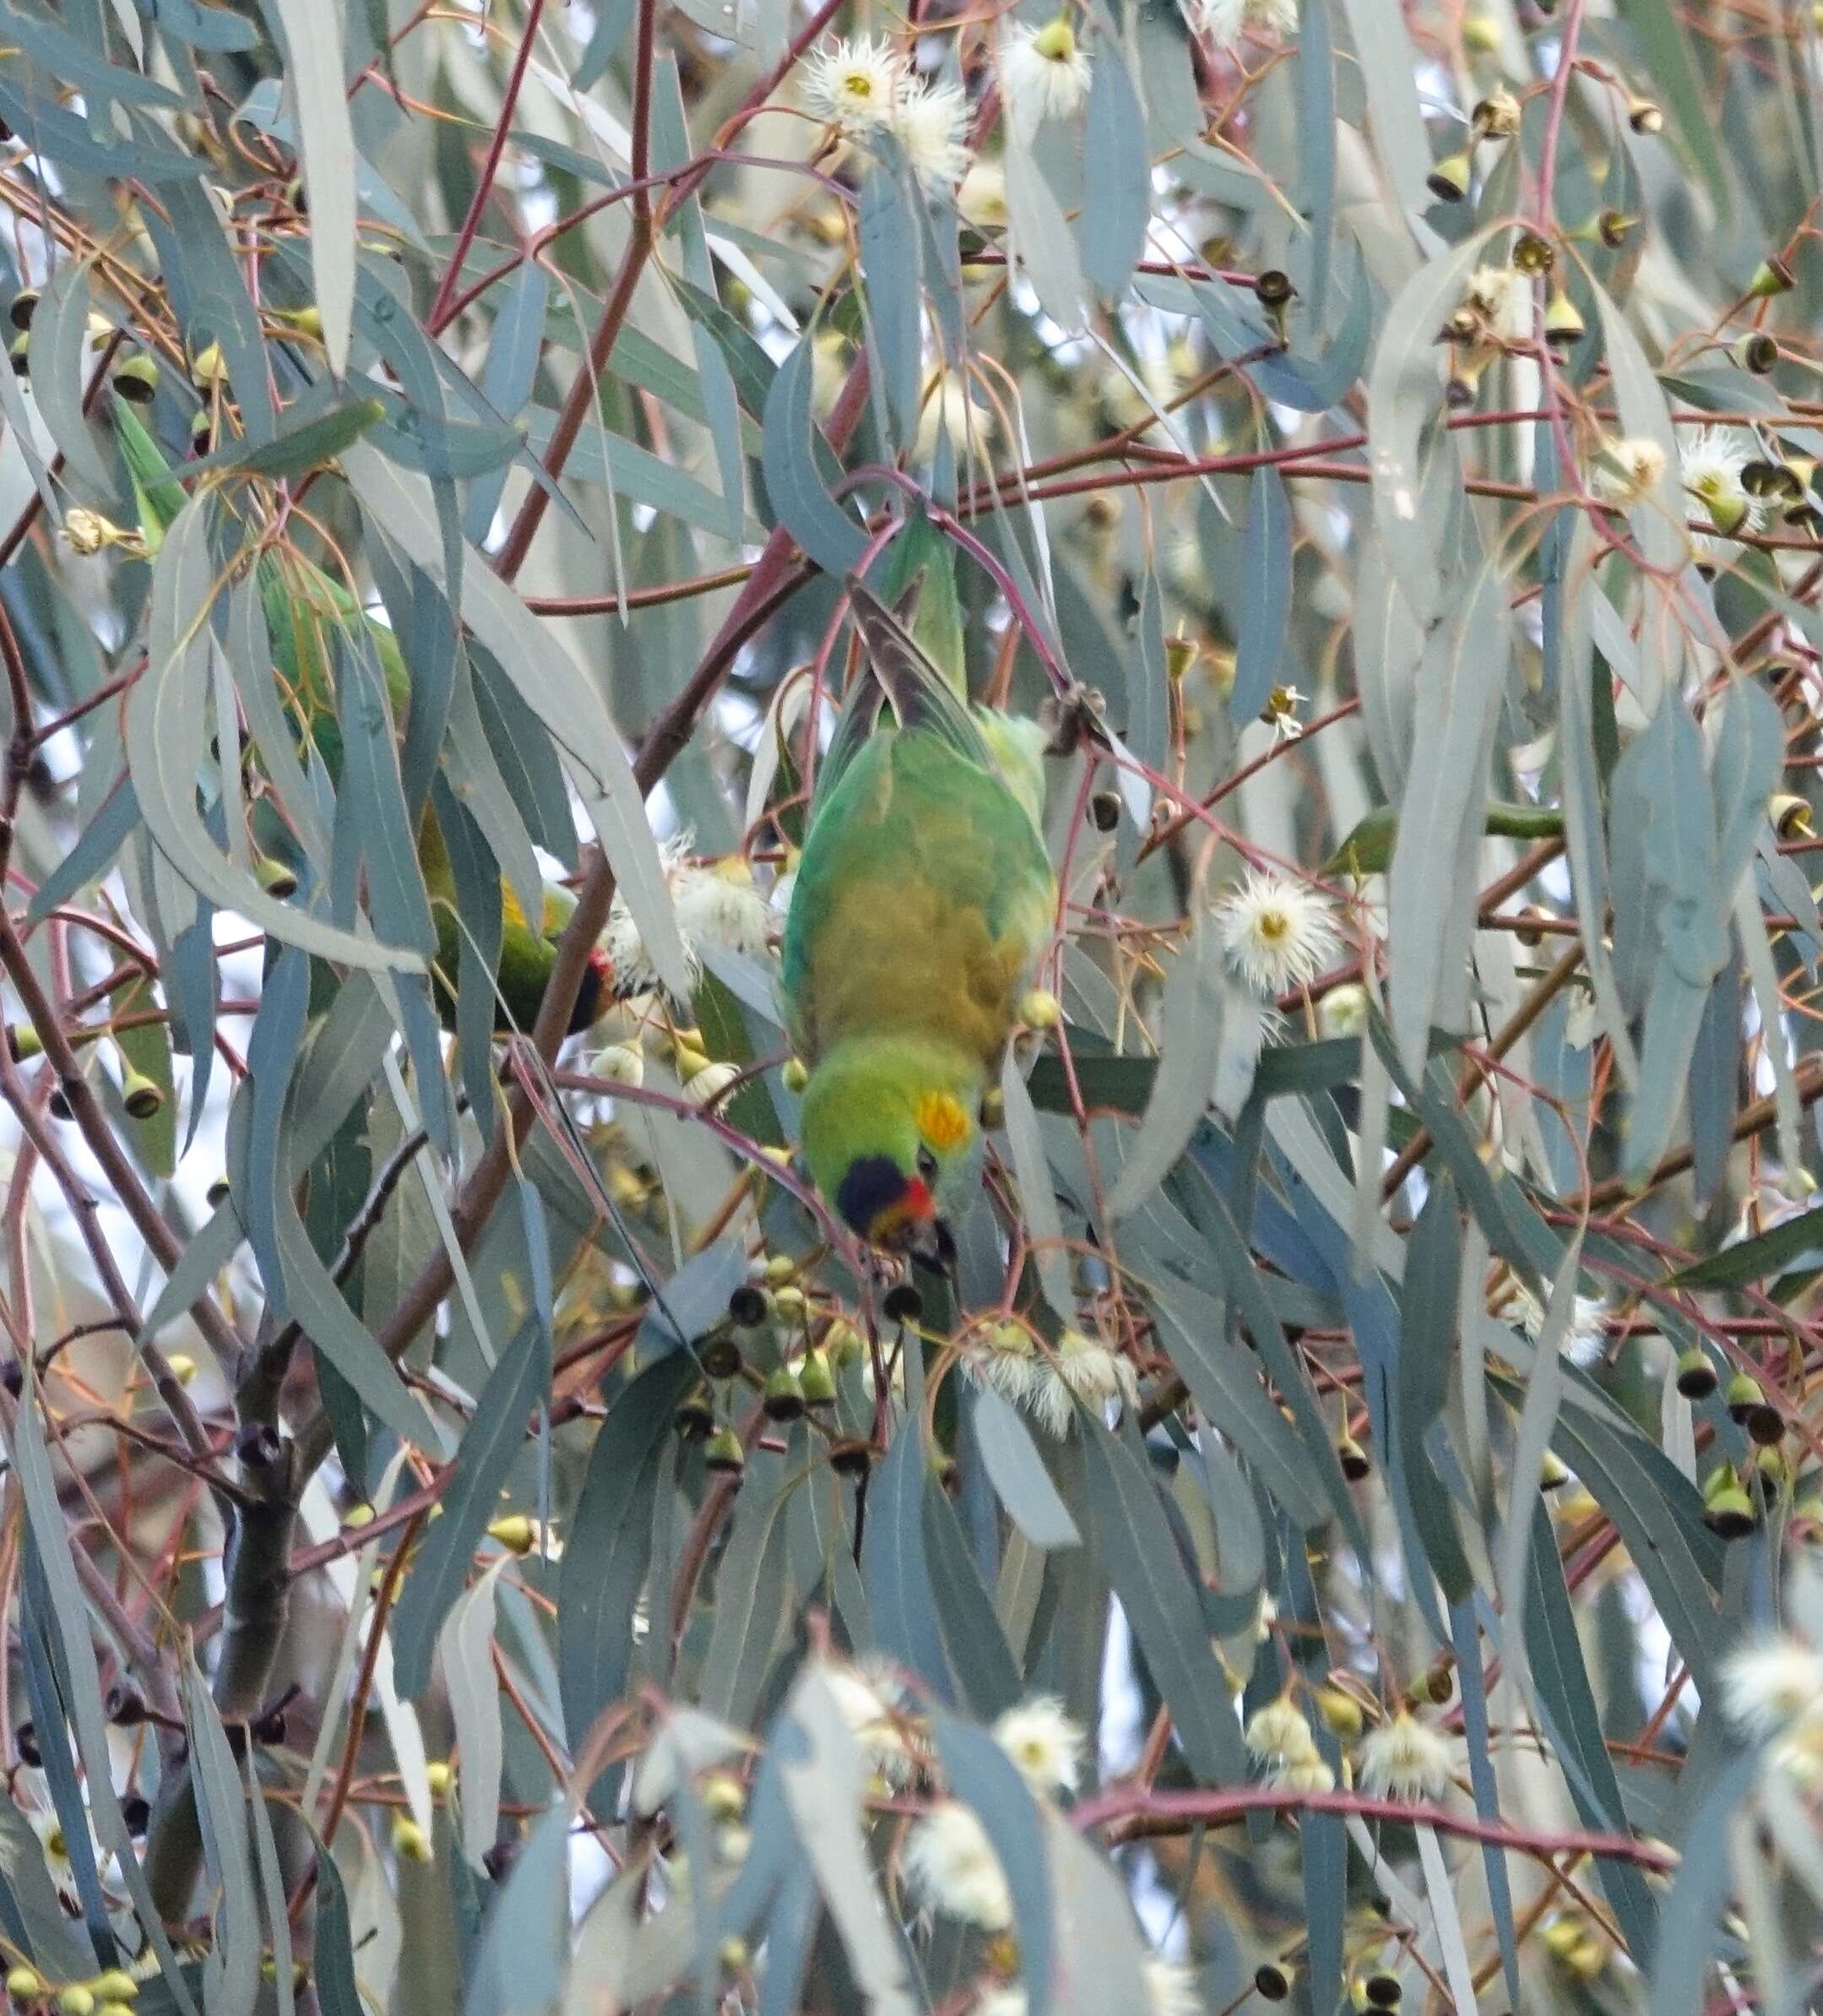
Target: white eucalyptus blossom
column 1627, row 469
column 854, row 84
column 1404, row 1759
column 1045, row 1744
column 1226, row 21
column 931, row 123
column 1081, row 1370
column 1771, row 1684
column 1044, row 74
column 952, row 1867
column 1710, row 463
column 1277, row 933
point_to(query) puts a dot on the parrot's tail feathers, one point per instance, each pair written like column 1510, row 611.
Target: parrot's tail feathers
column 921, row 697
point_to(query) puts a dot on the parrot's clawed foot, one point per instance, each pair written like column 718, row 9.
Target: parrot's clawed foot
column 1077, row 714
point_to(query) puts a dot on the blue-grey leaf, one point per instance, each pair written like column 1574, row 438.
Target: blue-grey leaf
column 520, row 1378
column 1265, row 597
column 794, row 485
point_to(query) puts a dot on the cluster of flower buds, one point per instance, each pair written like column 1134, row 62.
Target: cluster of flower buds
column 1786, row 484
column 1495, row 118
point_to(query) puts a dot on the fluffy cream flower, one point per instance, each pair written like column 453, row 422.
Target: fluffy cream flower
column 713, row 906
column 1044, row 74
column 1045, row 1744
column 1277, row 933
column 854, row 84
column 1404, row 1759
column 982, row 197
column 719, row 905
column 1007, row 1360
column 621, row 1064
column 1083, row 1369
column 1278, row 1734
column 1309, row 1774
column 952, row 1866
column 864, row 1708
column 1343, row 1011
column 1709, row 466
column 709, row 1080
column 1772, row 1683
column 931, row 123
column 1586, row 1341
column 633, row 971
column 1170, row 1988
column 1502, row 296
column 1626, row 469
column 1225, row 21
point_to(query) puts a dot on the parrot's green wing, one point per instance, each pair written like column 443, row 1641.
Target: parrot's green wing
column 924, row 894
column 921, row 697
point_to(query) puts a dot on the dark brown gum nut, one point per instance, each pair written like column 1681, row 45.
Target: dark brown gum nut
column 1696, row 1376
column 695, row 1418
column 22, row 308
column 25, row 1741
column 1272, row 1981
column 1382, row 1990
column 136, row 379
column 720, row 1357
column 748, row 1306
column 852, row 1458
column 902, row 1303
column 1766, row 1426
column 1274, row 289
column 1104, row 811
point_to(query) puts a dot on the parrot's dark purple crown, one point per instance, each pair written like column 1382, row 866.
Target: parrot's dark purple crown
column 873, row 1184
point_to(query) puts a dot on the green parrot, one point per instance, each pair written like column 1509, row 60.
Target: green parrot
column 301, row 604
column 924, row 899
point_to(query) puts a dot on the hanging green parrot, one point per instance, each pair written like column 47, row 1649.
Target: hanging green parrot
column 924, row 899
column 526, row 956
column 301, row 604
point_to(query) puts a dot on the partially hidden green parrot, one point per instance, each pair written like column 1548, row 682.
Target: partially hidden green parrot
column 301, row 604
column 923, row 901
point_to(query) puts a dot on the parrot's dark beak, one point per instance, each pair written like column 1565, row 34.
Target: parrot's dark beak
column 936, row 1247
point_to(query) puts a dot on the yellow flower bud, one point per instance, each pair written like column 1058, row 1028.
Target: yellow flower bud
column 411, row 1843
column 515, row 1532
column 1039, row 1010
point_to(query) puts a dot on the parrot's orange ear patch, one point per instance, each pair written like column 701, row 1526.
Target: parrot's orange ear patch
column 941, row 1121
